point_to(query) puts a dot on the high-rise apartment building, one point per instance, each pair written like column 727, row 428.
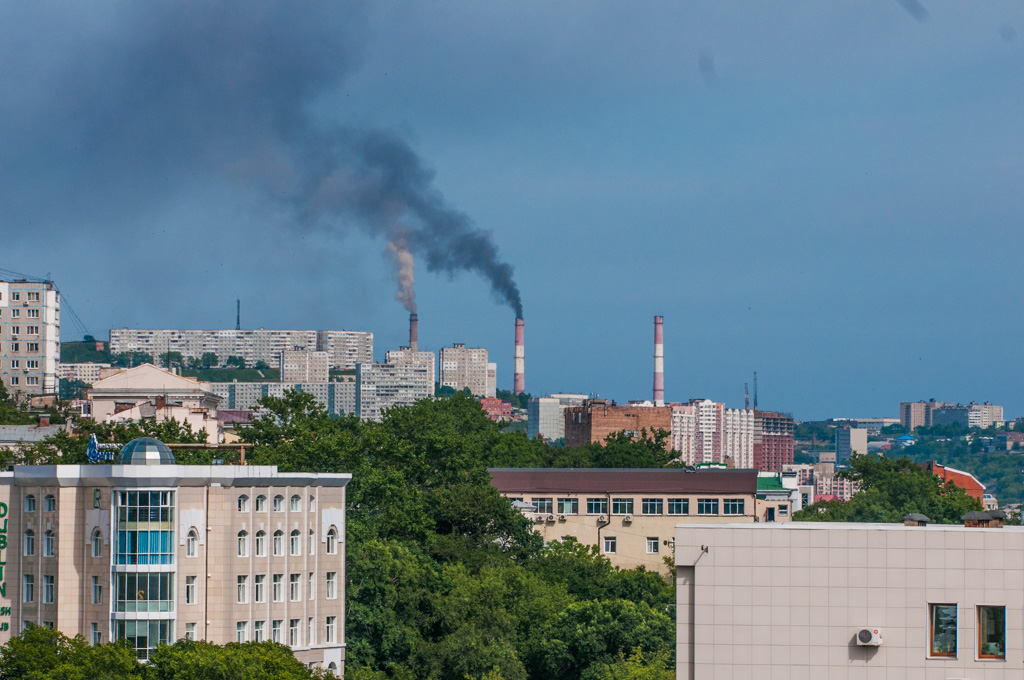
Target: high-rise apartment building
column 546, row 415
column 29, row 337
column 850, row 441
column 151, row 552
column 705, row 431
column 301, row 366
column 464, row 367
column 773, row 440
column 383, row 386
column 984, row 415
column 337, row 396
column 405, row 356
column 345, row 348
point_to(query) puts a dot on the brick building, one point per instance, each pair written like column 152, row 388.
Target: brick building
column 597, row 418
column 773, row 440
column 496, row 409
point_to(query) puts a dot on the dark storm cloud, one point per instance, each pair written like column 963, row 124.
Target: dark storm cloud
column 107, row 114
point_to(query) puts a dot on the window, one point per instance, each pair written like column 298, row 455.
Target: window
column 28, row 589
column 15, row 330
column 49, row 544
column 31, row 347
column 278, row 503
column 597, row 506
column 15, row 313
column 48, row 624
column 242, row 589
column 543, row 505
column 295, row 543
column 15, row 296
column 991, row 632
column 258, row 634
column 190, row 543
column 261, row 543
column 330, row 628
column 145, row 533
column 32, row 330
column 783, row 510
column 241, row 631
column 609, row 544
column 275, row 630
column 95, row 635
column 295, row 504
column 653, row 506
column 278, row 542
column 97, row 543
column 190, row 590
column 243, row 503
column 30, row 503
column 190, row 631
column 243, row 543
column 652, row 545
column 332, row 541
column 943, row 630
column 293, row 632
column 707, row 506
column 32, row 313
column 568, row 506
column 32, row 297
column 143, row 592
column 30, row 543
column 14, row 348
column 261, row 503
column 14, row 380
column 32, row 380
column 294, row 588
column 312, row 504
column 310, row 631
column 97, row 590
column 275, row 592
column 49, row 503
column 332, row 585
column 312, row 542
column 622, row 506
column 733, row 506
column 679, row 506
column 48, row 588
column 259, row 590
column 312, row 586
column 31, row 363
column 15, row 363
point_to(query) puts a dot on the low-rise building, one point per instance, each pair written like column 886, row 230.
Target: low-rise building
column 13, row 436
column 546, row 415
column 629, row 514
column 496, row 409
column 86, row 372
column 965, row 480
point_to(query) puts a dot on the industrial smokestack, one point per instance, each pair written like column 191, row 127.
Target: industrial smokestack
column 414, row 332
column 519, row 380
column 659, row 363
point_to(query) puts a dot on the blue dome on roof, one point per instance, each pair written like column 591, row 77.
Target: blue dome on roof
column 146, row 451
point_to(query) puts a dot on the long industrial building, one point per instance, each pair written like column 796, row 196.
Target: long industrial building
column 345, row 349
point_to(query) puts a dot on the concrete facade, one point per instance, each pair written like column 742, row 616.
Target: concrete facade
column 337, row 396
column 383, row 386
column 849, row 441
column 789, row 600
column 596, row 419
column 773, row 440
column 462, row 367
column 219, row 538
column 405, row 356
column 87, row 373
column 301, row 366
column 546, row 415
column 705, row 431
column 984, row 415
column 29, row 337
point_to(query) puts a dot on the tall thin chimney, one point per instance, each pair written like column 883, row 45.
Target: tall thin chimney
column 519, row 380
column 659, row 363
column 414, row 332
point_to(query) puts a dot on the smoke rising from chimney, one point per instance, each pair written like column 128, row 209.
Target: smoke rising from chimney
column 404, row 272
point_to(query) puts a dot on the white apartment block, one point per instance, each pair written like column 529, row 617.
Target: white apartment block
column 338, row 396
column 29, row 337
column 405, row 356
column 345, row 348
column 86, row 372
column 810, row 600
column 984, row 415
column 704, row 431
column 462, row 367
column 492, row 379
column 383, row 386
column 301, row 366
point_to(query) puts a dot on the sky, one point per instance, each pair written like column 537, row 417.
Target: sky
column 828, row 194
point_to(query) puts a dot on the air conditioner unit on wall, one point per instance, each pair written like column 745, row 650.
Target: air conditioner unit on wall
column 538, row 518
column 627, row 518
column 561, row 518
column 551, row 518
column 869, row 637
column 602, row 519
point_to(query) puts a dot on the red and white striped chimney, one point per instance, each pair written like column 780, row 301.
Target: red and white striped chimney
column 414, row 332
column 659, row 363
column 519, row 380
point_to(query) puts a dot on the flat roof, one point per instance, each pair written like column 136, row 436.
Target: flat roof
column 167, row 475
column 622, row 480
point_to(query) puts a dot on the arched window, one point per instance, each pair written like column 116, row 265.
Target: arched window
column 296, row 503
column 261, row 543
column 243, row 543
column 312, row 542
column 332, row 667
column 49, row 503
column 295, row 543
column 243, row 503
column 49, row 544
column 97, row 543
column 332, row 541
column 278, row 542
column 191, row 543
column 261, row 503
column 30, row 503
column 312, row 504
column 278, row 503
column 30, row 543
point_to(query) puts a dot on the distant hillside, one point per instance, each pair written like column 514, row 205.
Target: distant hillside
column 82, row 352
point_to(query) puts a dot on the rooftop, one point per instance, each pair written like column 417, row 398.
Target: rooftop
column 622, row 480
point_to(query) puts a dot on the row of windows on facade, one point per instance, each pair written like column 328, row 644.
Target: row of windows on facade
column 32, row 313
column 294, row 504
column 943, row 631
column 154, row 592
column 29, row 330
column 49, row 503
column 29, row 363
column 32, row 296
column 611, row 544
column 648, row 506
column 30, row 347
column 260, row 543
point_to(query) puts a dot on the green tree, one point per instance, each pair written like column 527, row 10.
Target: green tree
column 208, row 360
column 235, row 361
column 172, row 359
column 71, row 389
column 637, row 666
column 197, row 660
column 40, row 653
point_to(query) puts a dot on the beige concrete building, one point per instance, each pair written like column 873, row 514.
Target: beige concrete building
column 29, row 337
column 150, row 551
column 422, row 359
column 546, row 415
column 147, row 392
column 629, row 514
column 804, row 601
column 849, row 441
column 383, row 386
column 86, row 372
column 302, row 366
column 337, row 396
column 462, row 367
column 984, row 415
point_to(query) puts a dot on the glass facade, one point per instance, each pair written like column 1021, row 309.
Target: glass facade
column 144, row 636
column 144, row 592
column 145, row 527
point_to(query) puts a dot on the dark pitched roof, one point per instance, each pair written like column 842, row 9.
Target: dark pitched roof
column 615, row 480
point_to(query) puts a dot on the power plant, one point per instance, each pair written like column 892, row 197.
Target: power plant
column 659, row 362
column 519, row 380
